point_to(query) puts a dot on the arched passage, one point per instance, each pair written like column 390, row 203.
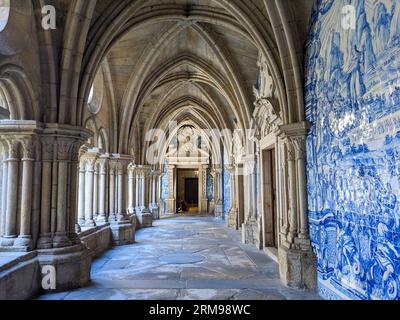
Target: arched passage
column 141, row 74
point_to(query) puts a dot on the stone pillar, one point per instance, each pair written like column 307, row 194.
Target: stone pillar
column 137, row 191
column 121, row 192
column 112, row 216
column 131, row 188
column 292, row 190
column 52, row 224
column 233, row 211
column 301, row 155
column 89, row 183
column 154, row 207
column 25, row 236
column 171, row 201
column 10, row 231
column 145, row 216
column 4, row 187
column 45, row 241
column 96, row 192
column 219, row 204
column 203, row 189
column 81, row 195
column 72, row 219
column 102, row 217
column 250, row 231
column 62, row 238
column 297, row 260
column 123, row 231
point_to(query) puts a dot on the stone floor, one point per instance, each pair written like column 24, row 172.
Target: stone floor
column 185, row 258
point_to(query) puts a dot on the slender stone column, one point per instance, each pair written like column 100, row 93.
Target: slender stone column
column 171, row 201
column 138, row 198
column 252, row 188
column 4, row 189
column 25, row 236
column 73, row 226
column 251, row 228
column 145, row 175
column 10, row 232
column 151, row 189
column 121, row 208
column 81, row 197
column 155, row 209
column 292, row 191
column 219, row 204
column 96, row 192
column 233, row 211
column 102, row 191
column 61, row 238
column 89, row 184
column 300, row 148
column 45, row 241
column 144, row 215
column 112, row 216
column 131, row 190
column 203, row 189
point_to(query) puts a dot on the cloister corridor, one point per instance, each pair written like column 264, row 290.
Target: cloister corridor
column 184, row 258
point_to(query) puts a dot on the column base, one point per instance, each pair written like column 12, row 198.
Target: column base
column 219, row 210
column 211, row 209
column 25, row 242
column 133, row 220
column 112, row 218
column 101, row 220
column 145, row 219
column 7, row 241
column 61, row 240
column 155, row 211
column 233, row 219
column 204, row 206
column 298, row 268
column 251, row 233
column 171, row 206
column 89, row 224
column 45, row 242
column 123, row 233
column 72, row 266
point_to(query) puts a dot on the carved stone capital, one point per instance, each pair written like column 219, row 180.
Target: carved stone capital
column 290, row 149
column 47, row 148
column 299, row 144
column 103, row 165
column 90, row 164
column 64, row 148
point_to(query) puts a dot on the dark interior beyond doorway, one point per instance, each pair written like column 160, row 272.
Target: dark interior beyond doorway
column 192, row 192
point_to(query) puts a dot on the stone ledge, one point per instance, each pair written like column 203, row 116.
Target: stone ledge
column 20, row 279
column 97, row 239
column 9, row 259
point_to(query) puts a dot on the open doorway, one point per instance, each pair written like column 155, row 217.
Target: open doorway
column 270, row 221
column 188, row 191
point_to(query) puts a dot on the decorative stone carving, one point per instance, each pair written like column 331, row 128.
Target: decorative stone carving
column 28, row 147
column 266, row 119
column 266, row 85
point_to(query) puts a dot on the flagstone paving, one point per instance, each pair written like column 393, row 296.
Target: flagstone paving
column 185, row 258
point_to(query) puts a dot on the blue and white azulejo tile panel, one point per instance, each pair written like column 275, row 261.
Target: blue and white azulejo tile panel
column 353, row 101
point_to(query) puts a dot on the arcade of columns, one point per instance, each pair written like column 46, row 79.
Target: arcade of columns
column 110, row 190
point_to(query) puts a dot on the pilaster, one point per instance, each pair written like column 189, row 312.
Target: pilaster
column 296, row 258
